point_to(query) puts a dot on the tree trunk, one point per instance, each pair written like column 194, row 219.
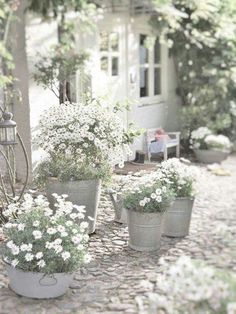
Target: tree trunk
column 21, row 107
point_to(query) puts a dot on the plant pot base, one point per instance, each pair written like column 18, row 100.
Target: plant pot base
column 143, row 249
column 37, row 285
column 210, row 156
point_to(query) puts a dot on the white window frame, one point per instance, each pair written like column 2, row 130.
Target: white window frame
column 152, row 99
column 110, row 54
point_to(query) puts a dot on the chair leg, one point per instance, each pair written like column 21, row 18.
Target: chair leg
column 177, row 151
column 165, row 153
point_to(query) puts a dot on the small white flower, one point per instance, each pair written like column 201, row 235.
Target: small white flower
column 15, row 262
column 58, row 248
column 64, row 234
column 39, row 255
column 51, row 230
column 41, row 263
column 29, row 257
column 36, row 223
column 65, row 255
column 37, row 234
column 84, row 225
column 58, row 241
column 61, row 228
column 69, row 223
column 21, row 227
column 15, row 250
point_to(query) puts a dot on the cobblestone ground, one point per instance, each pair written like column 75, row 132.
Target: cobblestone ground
column 119, row 277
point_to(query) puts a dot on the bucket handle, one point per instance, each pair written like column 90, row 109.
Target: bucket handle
column 46, row 284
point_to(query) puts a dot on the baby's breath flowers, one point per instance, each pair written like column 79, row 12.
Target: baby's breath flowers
column 43, row 240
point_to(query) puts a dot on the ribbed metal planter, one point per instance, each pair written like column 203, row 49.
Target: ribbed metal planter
column 177, row 218
column 144, row 230
column 210, row 156
column 120, row 212
column 86, row 192
column 38, row 285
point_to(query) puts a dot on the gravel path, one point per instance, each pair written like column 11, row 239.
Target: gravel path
column 118, row 277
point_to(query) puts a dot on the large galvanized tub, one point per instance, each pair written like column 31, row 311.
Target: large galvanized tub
column 210, row 156
column 144, row 230
column 178, row 217
column 86, row 192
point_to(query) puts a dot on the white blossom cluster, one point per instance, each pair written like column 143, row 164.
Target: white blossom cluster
column 203, row 138
column 84, row 132
column 218, row 142
column 190, row 287
column 37, row 236
column 149, row 193
column 181, row 177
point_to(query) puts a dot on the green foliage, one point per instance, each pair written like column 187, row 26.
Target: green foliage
column 65, row 169
column 201, row 36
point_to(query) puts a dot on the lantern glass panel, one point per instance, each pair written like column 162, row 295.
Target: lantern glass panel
column 10, row 134
column 2, row 135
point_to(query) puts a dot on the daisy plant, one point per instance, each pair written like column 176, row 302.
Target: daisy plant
column 39, row 239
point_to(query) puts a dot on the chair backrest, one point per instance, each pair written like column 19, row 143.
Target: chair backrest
column 150, row 135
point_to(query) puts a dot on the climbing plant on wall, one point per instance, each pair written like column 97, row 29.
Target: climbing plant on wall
column 201, row 35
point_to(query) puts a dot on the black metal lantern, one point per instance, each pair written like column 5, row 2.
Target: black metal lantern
column 7, row 129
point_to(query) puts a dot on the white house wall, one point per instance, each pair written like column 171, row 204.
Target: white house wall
column 164, row 112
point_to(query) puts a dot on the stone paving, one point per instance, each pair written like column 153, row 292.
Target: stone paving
column 118, row 278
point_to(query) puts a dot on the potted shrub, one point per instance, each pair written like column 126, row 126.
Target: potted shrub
column 181, row 178
column 208, row 147
column 145, row 204
column 43, row 248
column 83, row 142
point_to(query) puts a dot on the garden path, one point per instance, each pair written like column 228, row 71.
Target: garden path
column 118, row 279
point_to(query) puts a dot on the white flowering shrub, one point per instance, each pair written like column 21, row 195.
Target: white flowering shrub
column 193, row 287
column 219, row 142
column 198, row 136
column 83, row 137
column 39, row 239
column 181, row 177
column 203, row 138
column 149, row 194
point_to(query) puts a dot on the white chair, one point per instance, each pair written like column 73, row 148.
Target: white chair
column 172, row 141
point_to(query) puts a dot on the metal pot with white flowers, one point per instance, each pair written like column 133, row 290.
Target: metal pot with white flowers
column 43, row 248
column 83, row 143
column 181, row 177
column 208, row 147
column 146, row 203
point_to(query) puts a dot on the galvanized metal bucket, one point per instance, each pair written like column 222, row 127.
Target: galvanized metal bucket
column 177, row 218
column 210, row 156
column 144, row 230
column 38, row 285
column 86, row 192
column 120, row 212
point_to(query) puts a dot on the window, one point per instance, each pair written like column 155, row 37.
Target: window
column 149, row 68
column 109, row 50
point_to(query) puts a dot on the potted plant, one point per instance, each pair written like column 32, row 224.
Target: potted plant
column 43, row 248
column 120, row 184
column 83, row 142
column 146, row 203
column 208, row 147
column 181, row 178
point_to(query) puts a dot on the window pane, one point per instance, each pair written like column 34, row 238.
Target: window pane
column 104, row 40
column 114, row 64
column 114, row 40
column 157, row 81
column 143, row 51
column 143, row 82
column 104, row 64
column 157, row 51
